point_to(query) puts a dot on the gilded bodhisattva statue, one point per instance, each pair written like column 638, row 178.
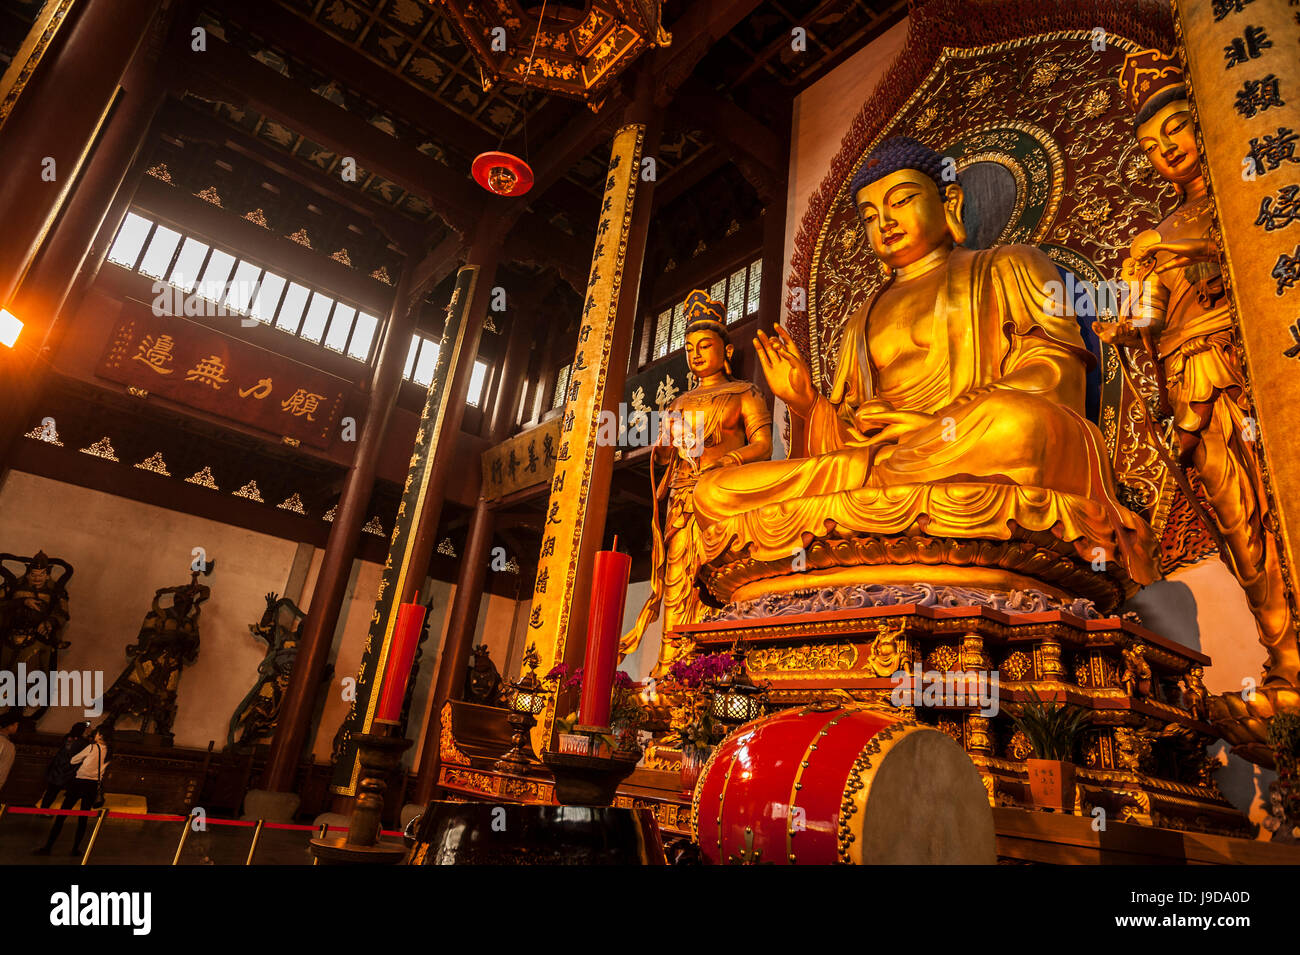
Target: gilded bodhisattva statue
column 1181, row 309
column 719, row 424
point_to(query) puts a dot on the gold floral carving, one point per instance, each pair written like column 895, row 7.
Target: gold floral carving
column 203, row 479
column 103, row 448
column 249, row 492
column 292, row 503
column 1017, row 664
column 155, row 464
column 47, row 432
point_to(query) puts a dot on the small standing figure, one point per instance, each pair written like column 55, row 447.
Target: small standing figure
column 482, row 682
column 720, row 423
column 259, row 711
column 1195, row 696
column 1136, row 678
column 1179, row 312
column 33, row 613
column 169, row 639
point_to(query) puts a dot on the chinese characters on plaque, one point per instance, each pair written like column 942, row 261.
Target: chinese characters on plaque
column 195, row 366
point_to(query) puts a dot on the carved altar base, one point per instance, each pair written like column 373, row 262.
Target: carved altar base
column 1038, row 561
column 1143, row 756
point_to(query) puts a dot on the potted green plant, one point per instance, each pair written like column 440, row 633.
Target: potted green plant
column 1052, row 730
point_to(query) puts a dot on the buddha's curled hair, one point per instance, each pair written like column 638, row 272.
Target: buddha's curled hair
column 895, row 153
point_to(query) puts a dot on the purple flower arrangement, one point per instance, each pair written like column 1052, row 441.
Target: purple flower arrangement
column 692, row 674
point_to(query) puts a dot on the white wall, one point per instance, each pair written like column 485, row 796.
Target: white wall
column 121, row 552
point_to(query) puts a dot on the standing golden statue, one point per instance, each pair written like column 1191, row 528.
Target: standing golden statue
column 720, row 423
column 956, row 415
column 1179, row 309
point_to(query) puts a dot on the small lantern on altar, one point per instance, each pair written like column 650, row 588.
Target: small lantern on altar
column 527, row 699
column 737, row 699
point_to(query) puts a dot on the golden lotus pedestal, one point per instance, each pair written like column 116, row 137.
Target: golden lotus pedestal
column 1142, row 758
column 1031, row 562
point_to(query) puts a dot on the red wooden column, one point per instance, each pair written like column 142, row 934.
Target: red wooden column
column 58, row 115
column 105, row 185
column 463, row 616
column 341, row 547
column 82, row 109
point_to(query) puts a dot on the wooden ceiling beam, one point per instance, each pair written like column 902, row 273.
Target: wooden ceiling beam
column 540, row 243
column 306, row 41
column 440, row 262
column 687, row 177
column 694, row 33
column 762, row 156
column 189, row 124
column 246, row 83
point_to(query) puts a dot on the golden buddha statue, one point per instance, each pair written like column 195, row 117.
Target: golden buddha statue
column 720, row 423
column 1180, row 310
column 954, row 422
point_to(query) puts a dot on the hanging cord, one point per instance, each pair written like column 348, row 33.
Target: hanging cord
column 528, row 71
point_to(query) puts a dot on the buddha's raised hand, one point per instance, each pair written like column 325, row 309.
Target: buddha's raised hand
column 787, row 373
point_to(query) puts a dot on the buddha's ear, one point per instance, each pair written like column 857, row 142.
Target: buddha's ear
column 954, row 201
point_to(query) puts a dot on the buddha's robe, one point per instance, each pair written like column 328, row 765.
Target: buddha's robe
column 1008, row 444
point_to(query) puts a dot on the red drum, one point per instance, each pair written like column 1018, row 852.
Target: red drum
column 832, row 782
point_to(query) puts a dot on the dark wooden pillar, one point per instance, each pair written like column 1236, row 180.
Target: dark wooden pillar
column 463, row 615
column 463, row 618
column 65, row 215
column 484, row 251
column 514, row 367
column 48, row 286
column 341, row 547
column 59, row 114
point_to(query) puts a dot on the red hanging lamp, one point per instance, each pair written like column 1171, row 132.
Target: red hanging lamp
column 503, row 173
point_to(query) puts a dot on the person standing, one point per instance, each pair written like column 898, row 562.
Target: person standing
column 84, row 789
column 60, row 772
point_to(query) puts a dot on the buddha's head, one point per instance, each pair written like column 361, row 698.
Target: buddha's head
column 908, row 208
column 1154, row 88
column 708, row 347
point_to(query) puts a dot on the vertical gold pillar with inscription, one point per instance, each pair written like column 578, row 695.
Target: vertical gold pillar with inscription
column 1242, row 60
column 557, row 619
column 397, row 584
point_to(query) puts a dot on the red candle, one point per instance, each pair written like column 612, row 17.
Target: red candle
column 401, row 654
column 604, row 630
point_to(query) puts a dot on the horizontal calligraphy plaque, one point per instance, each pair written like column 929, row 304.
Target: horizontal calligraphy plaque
column 195, row 366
